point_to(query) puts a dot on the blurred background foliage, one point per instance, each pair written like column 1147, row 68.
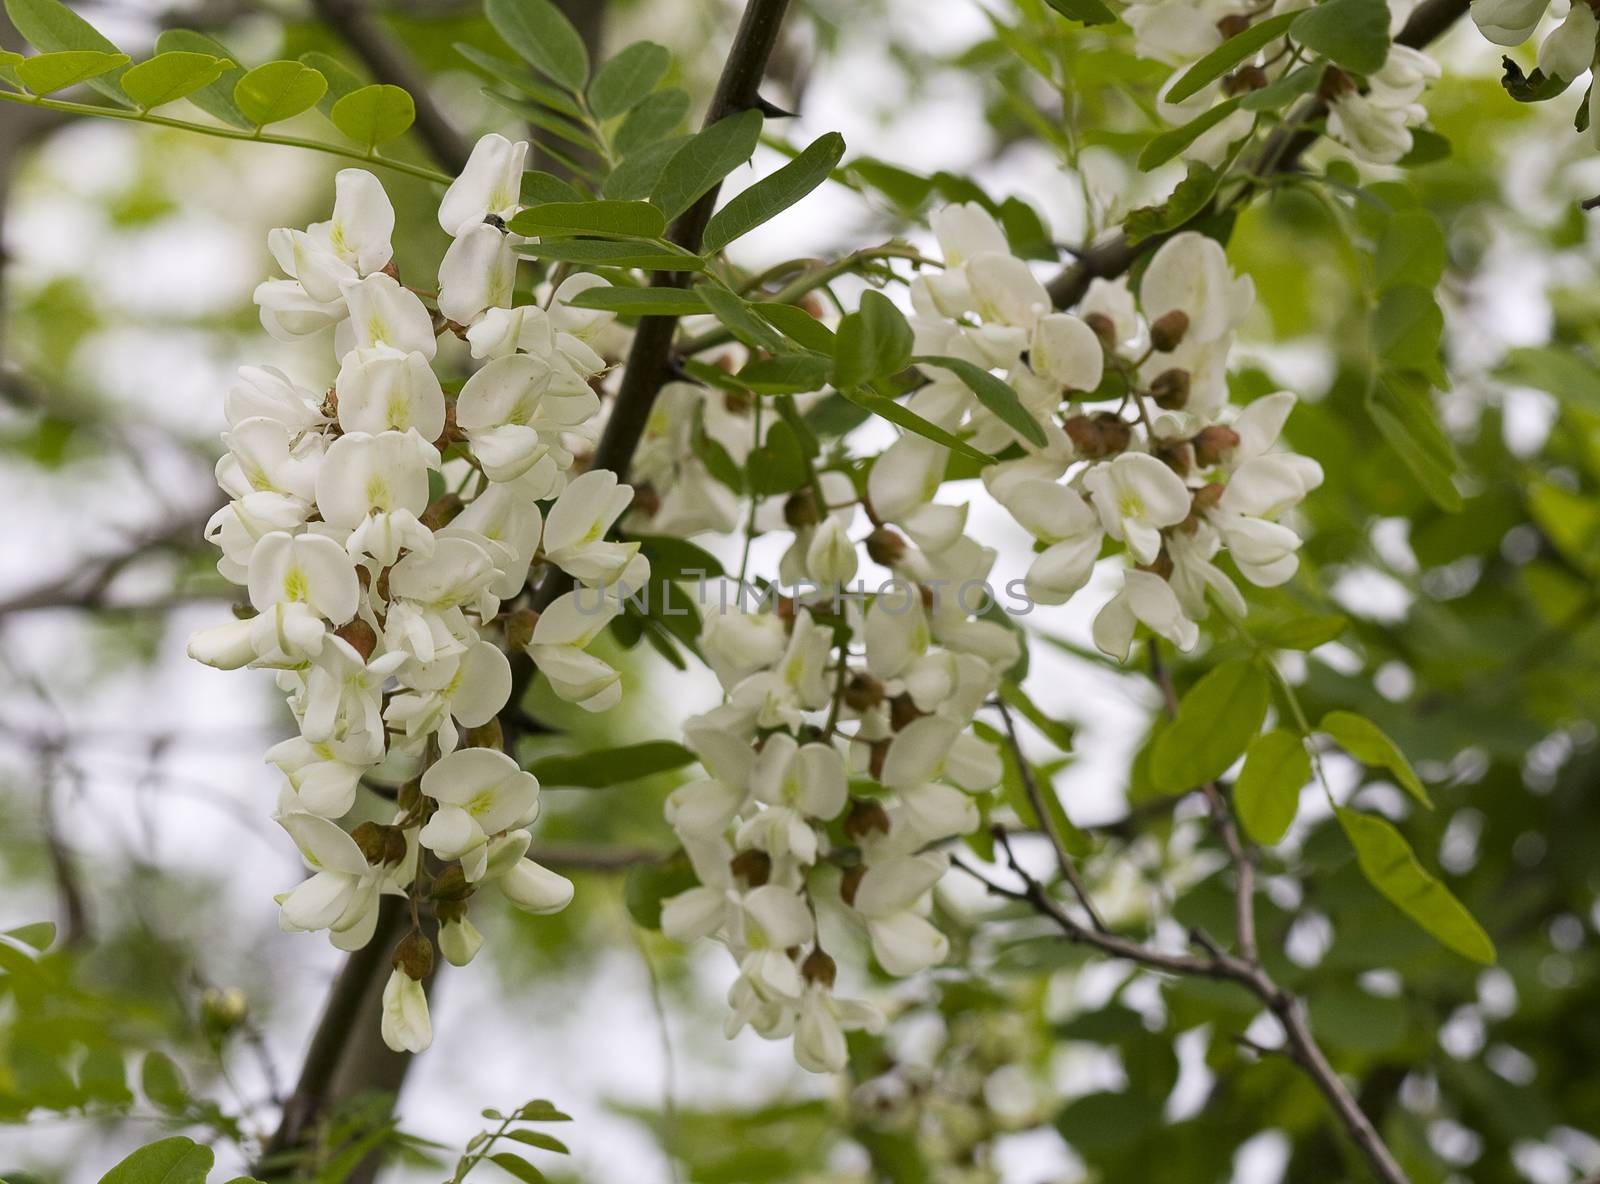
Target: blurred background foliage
column 136, row 813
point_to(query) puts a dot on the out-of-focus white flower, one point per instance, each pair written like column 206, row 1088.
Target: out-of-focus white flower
column 405, row 1025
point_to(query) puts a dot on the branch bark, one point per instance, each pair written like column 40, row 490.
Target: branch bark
column 1281, row 154
column 390, row 63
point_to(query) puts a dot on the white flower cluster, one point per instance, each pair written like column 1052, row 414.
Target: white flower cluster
column 1168, row 468
column 839, row 763
column 380, row 529
column 1372, row 117
column 1567, row 52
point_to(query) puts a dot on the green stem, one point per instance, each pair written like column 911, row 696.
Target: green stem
column 227, row 133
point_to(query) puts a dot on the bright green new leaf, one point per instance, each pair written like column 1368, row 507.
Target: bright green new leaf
column 872, row 342
column 1228, row 55
column 788, row 374
column 770, row 196
column 1352, row 34
column 1401, row 407
column 216, row 97
column 1390, row 866
column 37, row 935
column 51, row 27
column 708, row 157
column 1305, row 632
column 341, row 79
column 623, row 82
column 1168, row 144
column 374, row 114
column 611, row 766
column 629, row 219
column 539, row 34
column 48, row 72
column 642, row 302
column 993, row 394
column 276, row 91
column 1365, row 741
column 161, row 1082
column 1267, row 793
column 1411, row 250
column 177, row 1160
column 540, row 1140
column 170, row 76
column 1215, row 720
column 518, row 1167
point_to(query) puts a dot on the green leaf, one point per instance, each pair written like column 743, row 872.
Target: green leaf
column 994, row 394
column 637, row 174
column 162, row 1083
column 1572, row 377
column 47, row 72
column 539, row 187
column 514, row 76
column 1087, row 12
column 770, row 196
column 215, row 98
column 540, row 1110
column 1304, row 632
column 609, row 253
column 630, row 219
column 1390, row 866
column 539, row 1139
column 170, row 76
column 517, row 1166
column 648, row 884
column 51, row 27
column 1352, row 34
column 1402, row 409
column 642, row 302
column 1284, row 90
column 1365, row 741
column 872, row 342
column 624, row 82
column 788, row 374
column 37, row 935
column 779, row 464
column 1215, row 721
column 540, row 35
column 1531, row 88
column 341, row 79
column 708, row 157
column 1190, row 196
column 799, row 326
column 374, row 114
column 1228, row 55
column 1168, row 144
column 561, row 128
column 678, row 559
column 1267, row 794
column 886, row 408
column 655, row 119
column 738, row 318
column 276, row 91
column 610, row 766
column 177, row 1160
column 1411, row 250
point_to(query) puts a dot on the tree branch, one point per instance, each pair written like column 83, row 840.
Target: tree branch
column 1281, row 154
column 390, row 63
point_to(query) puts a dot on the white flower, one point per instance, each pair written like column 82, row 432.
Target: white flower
column 490, row 184
column 266, row 392
column 575, row 533
column 377, row 487
column 481, row 793
column 263, row 456
column 502, row 331
column 1136, row 497
column 478, row 273
column 819, row 1043
column 1066, row 350
column 323, row 783
column 353, row 243
column 1509, row 22
column 831, row 556
column 1190, row 274
column 779, row 697
column 477, row 687
column 405, row 1026
column 1006, row 291
column 384, row 313
column 1059, row 517
column 535, row 889
column 560, row 637
column 341, row 894
column 343, row 692
column 288, row 314
column 514, row 408
column 966, row 230
column 459, row 941
column 382, row 390
column 1144, row 597
column 888, row 896
column 304, row 569
column 737, row 643
column 1570, row 49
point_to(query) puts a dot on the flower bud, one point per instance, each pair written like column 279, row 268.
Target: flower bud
column 222, row 1010
column 1098, row 436
column 487, row 735
column 1233, row 24
column 1243, row 80
column 1335, row 84
column 409, row 796
column 1170, row 389
column 819, row 968
column 863, row 692
column 1166, row 334
column 459, row 941
column 879, row 754
column 1208, row 497
column 1161, row 567
column 225, row 647
column 753, row 867
column 414, row 956
column 903, row 712
column 866, row 816
column 519, row 628
column 646, row 501
column 886, row 546
column 800, row 510
column 850, row 882
column 370, row 837
column 831, row 557
column 451, row 884
column 1177, row 456
column 1114, row 431
column 536, row 889
column 1104, row 328
column 1213, row 445
column 360, row 636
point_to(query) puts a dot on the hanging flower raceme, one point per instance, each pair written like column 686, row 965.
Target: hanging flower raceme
column 385, row 535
